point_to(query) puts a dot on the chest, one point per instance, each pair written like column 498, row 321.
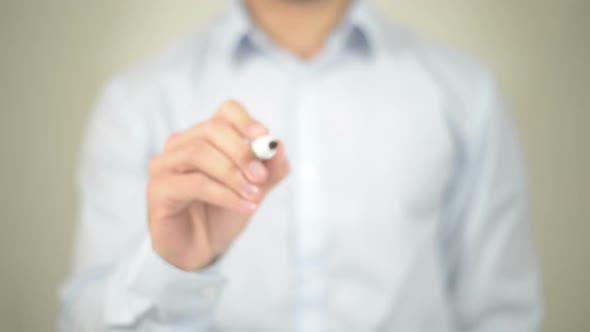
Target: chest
column 362, row 140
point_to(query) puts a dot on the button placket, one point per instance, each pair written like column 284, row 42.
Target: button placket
column 308, row 205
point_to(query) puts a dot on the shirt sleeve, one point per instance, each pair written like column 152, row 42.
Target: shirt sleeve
column 492, row 273
column 119, row 283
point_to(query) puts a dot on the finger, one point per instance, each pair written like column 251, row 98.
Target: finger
column 174, row 140
column 227, row 140
column 235, row 114
column 203, row 157
column 197, row 187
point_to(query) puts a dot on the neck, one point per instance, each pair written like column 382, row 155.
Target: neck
column 300, row 26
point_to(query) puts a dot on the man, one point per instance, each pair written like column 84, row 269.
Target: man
column 402, row 206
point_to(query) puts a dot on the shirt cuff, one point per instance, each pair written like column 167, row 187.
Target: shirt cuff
column 150, row 282
column 154, row 278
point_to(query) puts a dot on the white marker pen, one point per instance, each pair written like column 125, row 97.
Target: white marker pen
column 264, row 147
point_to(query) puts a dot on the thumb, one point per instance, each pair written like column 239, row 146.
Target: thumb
column 278, row 167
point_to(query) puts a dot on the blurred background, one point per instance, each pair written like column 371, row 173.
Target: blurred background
column 55, row 56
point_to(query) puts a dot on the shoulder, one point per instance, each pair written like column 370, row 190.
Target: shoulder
column 142, row 97
column 447, row 66
column 466, row 86
column 178, row 60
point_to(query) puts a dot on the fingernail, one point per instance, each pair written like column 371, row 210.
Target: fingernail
column 251, row 190
column 256, row 130
column 256, row 169
column 248, row 206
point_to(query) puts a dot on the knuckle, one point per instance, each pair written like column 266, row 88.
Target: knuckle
column 212, row 128
column 155, row 191
column 219, row 123
column 229, row 108
column 154, row 165
column 170, row 141
column 202, row 128
column 150, row 190
column 171, row 138
column 229, row 105
column 206, row 128
column 198, row 152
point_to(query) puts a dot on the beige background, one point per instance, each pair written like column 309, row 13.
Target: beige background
column 55, row 55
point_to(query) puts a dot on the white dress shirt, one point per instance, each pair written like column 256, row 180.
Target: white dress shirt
column 405, row 210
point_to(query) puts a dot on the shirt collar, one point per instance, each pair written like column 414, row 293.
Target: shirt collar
column 357, row 32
